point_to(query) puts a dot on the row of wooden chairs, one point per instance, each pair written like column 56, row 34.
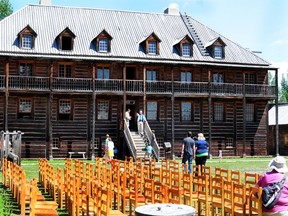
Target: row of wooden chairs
column 26, row 193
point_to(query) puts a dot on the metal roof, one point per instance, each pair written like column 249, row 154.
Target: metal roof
column 282, row 115
column 126, row 28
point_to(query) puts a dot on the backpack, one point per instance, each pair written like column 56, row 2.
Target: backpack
column 272, row 193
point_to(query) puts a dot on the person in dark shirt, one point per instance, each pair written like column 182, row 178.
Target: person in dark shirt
column 188, row 150
column 201, row 150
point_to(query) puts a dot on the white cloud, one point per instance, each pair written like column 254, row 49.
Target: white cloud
column 279, row 42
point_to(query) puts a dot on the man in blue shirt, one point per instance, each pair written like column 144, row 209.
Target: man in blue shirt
column 188, row 150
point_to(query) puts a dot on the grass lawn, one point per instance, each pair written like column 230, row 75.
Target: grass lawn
column 9, row 207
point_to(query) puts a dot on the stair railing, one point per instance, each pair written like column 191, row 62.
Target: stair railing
column 152, row 140
column 129, row 140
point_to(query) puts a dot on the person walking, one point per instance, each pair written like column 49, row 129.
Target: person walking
column 127, row 117
column 140, row 123
column 188, row 150
column 201, row 150
column 279, row 168
column 148, row 151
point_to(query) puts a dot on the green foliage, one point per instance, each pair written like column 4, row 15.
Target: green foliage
column 271, row 79
column 283, row 92
column 5, row 9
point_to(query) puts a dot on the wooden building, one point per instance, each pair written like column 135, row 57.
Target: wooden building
column 67, row 76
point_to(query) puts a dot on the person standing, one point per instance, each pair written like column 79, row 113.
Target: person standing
column 140, row 123
column 127, row 117
column 201, row 150
column 106, row 144
column 110, row 149
column 188, row 150
column 279, row 168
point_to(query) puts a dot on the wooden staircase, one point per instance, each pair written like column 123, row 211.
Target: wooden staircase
column 140, row 143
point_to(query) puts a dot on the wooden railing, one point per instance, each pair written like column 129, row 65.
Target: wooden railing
column 137, row 86
column 129, row 140
column 152, row 140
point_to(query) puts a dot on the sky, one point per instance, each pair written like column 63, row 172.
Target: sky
column 259, row 25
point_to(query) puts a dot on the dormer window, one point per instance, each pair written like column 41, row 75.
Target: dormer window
column 103, row 42
column 27, row 38
column 151, row 44
column 184, row 46
column 216, row 48
column 66, row 39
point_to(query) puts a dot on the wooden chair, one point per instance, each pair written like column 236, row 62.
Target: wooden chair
column 136, row 196
column 86, row 201
column 175, row 180
column 239, row 200
column 175, row 195
column 160, row 192
column 190, row 195
column 255, row 202
column 217, row 204
column 236, row 176
column 60, row 188
column 124, row 191
column 226, row 174
column 217, row 172
column 204, row 198
column 227, row 198
column 149, row 190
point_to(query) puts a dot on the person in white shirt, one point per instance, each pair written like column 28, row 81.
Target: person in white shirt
column 127, row 117
column 140, row 123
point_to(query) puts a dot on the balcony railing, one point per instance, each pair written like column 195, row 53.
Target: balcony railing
column 137, row 86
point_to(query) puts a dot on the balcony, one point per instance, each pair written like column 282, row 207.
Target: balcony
column 115, row 86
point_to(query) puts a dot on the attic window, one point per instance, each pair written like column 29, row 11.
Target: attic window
column 27, row 38
column 103, row 42
column 66, row 39
column 218, row 51
column 216, row 48
column 150, row 45
column 186, row 50
column 184, row 46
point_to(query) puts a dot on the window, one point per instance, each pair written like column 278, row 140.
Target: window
column 103, row 45
column 186, row 49
column 229, row 143
column 186, row 111
column 66, row 40
column 65, row 109
column 67, row 43
column 218, row 112
column 25, row 69
column 27, row 41
column 249, row 78
column 55, row 143
column 218, row 77
column 152, row 110
column 186, row 76
column 151, row 74
column 103, row 72
column 25, row 108
column 218, row 51
column 152, row 47
column 249, row 112
column 103, row 110
column 65, row 70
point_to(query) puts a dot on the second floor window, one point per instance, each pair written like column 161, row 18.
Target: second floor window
column 103, row 73
column 218, row 112
column 152, row 110
column 27, row 41
column 103, row 45
column 250, row 78
column 218, row 77
column 103, row 110
column 249, row 112
column 65, row 109
column 186, row 111
column 152, row 47
column 65, row 70
column 186, row 76
column 151, row 74
column 186, row 50
column 25, row 69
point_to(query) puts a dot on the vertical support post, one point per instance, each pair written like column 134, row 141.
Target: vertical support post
column 94, row 112
column 276, row 114
column 172, row 117
column 124, row 92
column 209, row 113
column 50, row 101
column 244, row 116
column 6, row 94
column 144, row 90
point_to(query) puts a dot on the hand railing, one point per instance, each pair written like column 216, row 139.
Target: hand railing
column 129, row 140
column 152, row 140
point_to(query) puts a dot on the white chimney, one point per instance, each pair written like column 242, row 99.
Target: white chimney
column 172, row 9
column 45, row 2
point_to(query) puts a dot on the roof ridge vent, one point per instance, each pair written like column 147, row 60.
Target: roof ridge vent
column 173, row 9
column 45, row 2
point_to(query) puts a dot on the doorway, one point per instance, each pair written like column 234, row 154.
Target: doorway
column 130, row 104
column 130, row 73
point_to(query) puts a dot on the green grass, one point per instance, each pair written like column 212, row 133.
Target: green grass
column 8, row 206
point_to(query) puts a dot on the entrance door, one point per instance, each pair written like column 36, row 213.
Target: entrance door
column 130, row 73
column 131, row 105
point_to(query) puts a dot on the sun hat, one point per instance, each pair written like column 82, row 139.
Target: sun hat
column 279, row 164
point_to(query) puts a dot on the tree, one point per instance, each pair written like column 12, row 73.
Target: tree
column 5, row 9
column 284, row 89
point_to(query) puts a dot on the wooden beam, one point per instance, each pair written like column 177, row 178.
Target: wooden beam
column 124, row 92
column 6, row 93
column 276, row 114
column 94, row 112
column 172, row 117
column 209, row 113
column 244, row 116
column 144, row 88
column 50, row 101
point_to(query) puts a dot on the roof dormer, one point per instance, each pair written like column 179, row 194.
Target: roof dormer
column 151, row 44
column 66, row 39
column 184, row 46
column 216, row 48
column 27, row 38
column 103, row 42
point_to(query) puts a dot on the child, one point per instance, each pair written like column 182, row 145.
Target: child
column 148, row 151
column 220, row 155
